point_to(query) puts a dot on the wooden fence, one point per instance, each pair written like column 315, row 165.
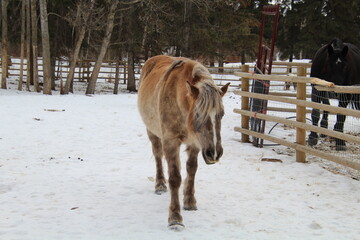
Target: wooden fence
column 300, row 123
column 223, row 75
column 108, row 72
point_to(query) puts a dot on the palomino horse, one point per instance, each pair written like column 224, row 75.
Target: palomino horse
column 180, row 104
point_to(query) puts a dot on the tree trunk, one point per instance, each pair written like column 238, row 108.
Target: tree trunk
column 4, row 46
column 22, row 46
column 105, row 43
column 221, row 64
column 29, row 65
column 187, row 26
column 243, row 60
column 131, row 86
column 76, row 50
column 45, row 47
column 34, row 27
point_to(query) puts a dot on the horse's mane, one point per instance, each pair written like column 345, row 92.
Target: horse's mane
column 209, row 98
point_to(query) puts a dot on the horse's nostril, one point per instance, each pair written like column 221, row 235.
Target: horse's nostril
column 219, row 154
column 210, row 154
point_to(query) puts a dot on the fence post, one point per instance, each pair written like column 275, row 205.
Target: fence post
column 125, row 73
column 117, row 77
column 301, row 115
column 244, row 103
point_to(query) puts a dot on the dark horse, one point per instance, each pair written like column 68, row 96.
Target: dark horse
column 336, row 62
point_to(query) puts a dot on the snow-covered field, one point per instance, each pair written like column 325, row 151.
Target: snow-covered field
column 81, row 167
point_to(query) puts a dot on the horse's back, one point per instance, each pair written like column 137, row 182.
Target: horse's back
column 152, row 88
column 152, row 72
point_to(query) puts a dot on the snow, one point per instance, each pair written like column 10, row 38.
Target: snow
column 81, row 167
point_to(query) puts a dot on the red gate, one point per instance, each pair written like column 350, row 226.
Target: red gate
column 263, row 66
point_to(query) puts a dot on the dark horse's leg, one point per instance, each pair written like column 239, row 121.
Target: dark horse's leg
column 324, row 119
column 344, row 100
column 189, row 189
column 315, row 115
column 160, row 184
column 171, row 147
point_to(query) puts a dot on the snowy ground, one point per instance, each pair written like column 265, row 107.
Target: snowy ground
column 80, row 167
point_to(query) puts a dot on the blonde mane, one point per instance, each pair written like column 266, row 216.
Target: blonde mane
column 209, row 99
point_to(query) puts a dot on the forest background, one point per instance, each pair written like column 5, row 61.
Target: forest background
column 134, row 30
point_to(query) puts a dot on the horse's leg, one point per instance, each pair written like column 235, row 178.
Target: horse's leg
column 315, row 116
column 171, row 149
column 189, row 189
column 324, row 120
column 160, row 184
column 340, row 120
column 356, row 101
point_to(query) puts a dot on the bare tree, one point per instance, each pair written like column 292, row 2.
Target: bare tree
column 131, row 85
column 34, row 27
column 4, row 37
column 83, row 16
column 45, row 47
column 22, row 44
column 29, row 65
column 105, row 43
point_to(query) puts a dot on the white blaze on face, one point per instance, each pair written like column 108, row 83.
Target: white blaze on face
column 213, row 122
column 338, row 61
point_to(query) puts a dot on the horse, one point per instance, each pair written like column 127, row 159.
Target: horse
column 179, row 103
column 336, row 62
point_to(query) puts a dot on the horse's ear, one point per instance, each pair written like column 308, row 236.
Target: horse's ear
column 330, row 49
column 345, row 51
column 224, row 89
column 192, row 90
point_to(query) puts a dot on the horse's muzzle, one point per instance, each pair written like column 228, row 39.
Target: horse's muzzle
column 209, row 156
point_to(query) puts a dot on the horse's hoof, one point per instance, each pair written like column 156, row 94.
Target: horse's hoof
column 176, row 226
column 190, row 208
column 312, row 141
column 160, row 189
column 340, row 147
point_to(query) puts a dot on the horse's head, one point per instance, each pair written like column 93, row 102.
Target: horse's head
column 207, row 112
column 337, row 52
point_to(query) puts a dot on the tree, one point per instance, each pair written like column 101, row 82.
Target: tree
column 22, row 44
column 289, row 31
column 83, row 17
column 34, row 27
column 105, row 43
column 45, row 47
column 29, row 65
column 306, row 25
column 4, row 47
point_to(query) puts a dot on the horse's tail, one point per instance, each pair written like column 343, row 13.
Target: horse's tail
column 355, row 101
column 175, row 64
column 352, row 99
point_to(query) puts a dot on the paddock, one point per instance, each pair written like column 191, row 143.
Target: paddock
column 86, row 171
